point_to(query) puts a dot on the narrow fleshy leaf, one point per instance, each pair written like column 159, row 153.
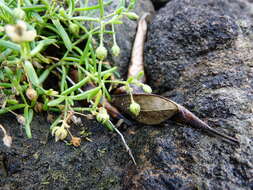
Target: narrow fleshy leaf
column 31, row 73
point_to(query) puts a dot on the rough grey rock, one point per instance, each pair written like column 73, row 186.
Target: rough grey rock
column 185, row 30
column 199, row 53
column 214, row 81
column 159, row 3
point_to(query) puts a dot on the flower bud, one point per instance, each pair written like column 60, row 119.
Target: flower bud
column 21, row 119
column 31, row 94
column 38, row 107
column 76, row 141
column 135, row 108
column 101, row 52
column 51, row 92
column 62, row 12
column 146, row 88
column 132, row 15
column 18, row 33
column 19, row 13
column 115, row 50
column 102, row 115
column 74, row 28
column 59, row 133
column 7, row 140
column 76, row 120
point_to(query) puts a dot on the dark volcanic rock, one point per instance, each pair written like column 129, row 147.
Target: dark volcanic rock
column 200, row 54
column 184, row 30
column 159, row 3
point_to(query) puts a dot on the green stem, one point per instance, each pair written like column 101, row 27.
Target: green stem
column 101, row 8
column 11, row 108
column 25, row 50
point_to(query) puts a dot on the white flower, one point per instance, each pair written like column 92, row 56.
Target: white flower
column 102, row 115
column 20, row 119
column 6, row 139
column 60, row 133
column 19, row 33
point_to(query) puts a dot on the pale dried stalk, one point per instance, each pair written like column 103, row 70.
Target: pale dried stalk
column 137, row 62
column 124, row 142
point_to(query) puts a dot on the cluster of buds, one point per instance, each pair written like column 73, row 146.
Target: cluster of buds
column 18, row 33
column 60, row 133
column 101, row 51
column 102, row 115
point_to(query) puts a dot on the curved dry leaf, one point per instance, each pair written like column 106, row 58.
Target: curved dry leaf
column 137, row 63
column 154, row 109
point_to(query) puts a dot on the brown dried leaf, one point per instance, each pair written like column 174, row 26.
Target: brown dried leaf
column 154, row 109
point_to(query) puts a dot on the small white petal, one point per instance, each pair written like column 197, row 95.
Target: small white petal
column 7, row 140
column 29, row 35
column 22, row 25
column 10, row 31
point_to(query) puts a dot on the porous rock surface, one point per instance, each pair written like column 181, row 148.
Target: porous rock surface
column 159, row 3
column 201, row 52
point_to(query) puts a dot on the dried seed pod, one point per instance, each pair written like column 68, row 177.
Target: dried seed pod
column 20, row 119
column 31, row 94
column 38, row 107
column 156, row 109
column 76, row 141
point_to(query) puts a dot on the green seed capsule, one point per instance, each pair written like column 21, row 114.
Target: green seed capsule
column 132, row 15
column 19, row 13
column 102, row 115
column 74, row 28
column 115, row 50
column 101, row 52
column 135, row 108
column 146, row 88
